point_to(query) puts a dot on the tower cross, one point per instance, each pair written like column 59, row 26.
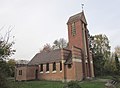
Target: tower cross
column 82, row 6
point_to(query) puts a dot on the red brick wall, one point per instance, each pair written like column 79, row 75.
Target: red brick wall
column 75, row 72
column 70, row 72
column 52, row 75
column 31, row 72
column 23, row 76
column 77, row 39
column 28, row 73
column 78, row 70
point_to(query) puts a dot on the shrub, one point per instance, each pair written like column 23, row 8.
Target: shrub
column 3, row 81
column 116, row 78
column 72, row 84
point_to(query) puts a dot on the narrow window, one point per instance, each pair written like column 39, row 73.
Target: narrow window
column 47, row 67
column 41, row 67
column 20, row 72
column 60, row 66
column 73, row 29
column 69, row 66
column 54, row 66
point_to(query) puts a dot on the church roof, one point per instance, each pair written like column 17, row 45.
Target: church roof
column 76, row 17
column 46, row 57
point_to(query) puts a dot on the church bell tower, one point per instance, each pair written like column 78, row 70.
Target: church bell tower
column 78, row 37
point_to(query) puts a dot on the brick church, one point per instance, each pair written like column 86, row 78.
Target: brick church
column 72, row 63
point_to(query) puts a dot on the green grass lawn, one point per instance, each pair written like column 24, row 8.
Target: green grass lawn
column 52, row 84
column 92, row 84
column 38, row 84
column 98, row 82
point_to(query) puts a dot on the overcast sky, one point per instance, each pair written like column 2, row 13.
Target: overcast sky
column 37, row 22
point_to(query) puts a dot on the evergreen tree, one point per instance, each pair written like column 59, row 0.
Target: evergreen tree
column 117, row 65
column 101, row 52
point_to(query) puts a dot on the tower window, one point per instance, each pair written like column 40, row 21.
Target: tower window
column 54, row 66
column 73, row 29
column 47, row 67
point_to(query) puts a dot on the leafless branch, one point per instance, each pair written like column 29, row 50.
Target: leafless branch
column 2, row 27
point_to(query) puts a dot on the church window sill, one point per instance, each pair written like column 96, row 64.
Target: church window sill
column 54, row 72
column 41, row 72
column 47, row 72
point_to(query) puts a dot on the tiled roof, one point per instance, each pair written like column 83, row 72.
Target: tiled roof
column 76, row 17
column 46, row 57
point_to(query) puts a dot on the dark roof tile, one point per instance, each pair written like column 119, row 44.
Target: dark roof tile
column 46, row 57
column 79, row 16
column 75, row 17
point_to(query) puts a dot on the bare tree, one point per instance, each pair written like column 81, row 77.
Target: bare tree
column 61, row 43
column 57, row 44
column 6, row 45
column 6, row 50
column 46, row 48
